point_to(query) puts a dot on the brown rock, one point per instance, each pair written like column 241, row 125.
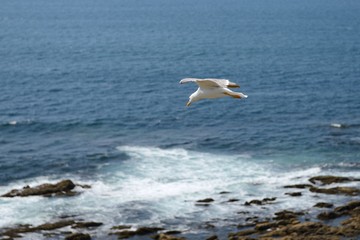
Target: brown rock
column 121, row 227
column 302, row 186
column 15, row 232
column 350, row 191
column 86, row 224
column 265, row 226
column 348, row 207
column 294, row 194
column 214, row 237
column 61, row 188
column 328, row 179
column 163, row 236
column 287, row 215
column 260, row 202
column 328, row 215
column 323, row 205
column 78, row 236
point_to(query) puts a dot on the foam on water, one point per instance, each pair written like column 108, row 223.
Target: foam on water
column 161, row 186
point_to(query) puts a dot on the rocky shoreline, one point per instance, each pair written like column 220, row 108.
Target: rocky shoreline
column 333, row 222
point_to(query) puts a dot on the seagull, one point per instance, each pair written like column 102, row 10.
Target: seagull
column 212, row 88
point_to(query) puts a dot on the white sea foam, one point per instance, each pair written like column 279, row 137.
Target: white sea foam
column 13, row 122
column 161, row 186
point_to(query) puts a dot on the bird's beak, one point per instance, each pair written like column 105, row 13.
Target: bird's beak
column 188, row 103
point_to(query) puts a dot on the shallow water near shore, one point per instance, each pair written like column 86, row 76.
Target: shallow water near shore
column 90, row 92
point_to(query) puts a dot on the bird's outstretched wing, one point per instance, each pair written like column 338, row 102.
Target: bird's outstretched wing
column 210, row 82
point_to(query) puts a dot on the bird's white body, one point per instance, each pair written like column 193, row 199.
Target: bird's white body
column 212, row 88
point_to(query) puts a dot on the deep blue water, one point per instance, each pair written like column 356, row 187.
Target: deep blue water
column 81, row 78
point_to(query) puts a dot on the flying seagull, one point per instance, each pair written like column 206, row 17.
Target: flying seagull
column 212, row 88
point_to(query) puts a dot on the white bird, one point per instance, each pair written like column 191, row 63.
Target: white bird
column 212, row 88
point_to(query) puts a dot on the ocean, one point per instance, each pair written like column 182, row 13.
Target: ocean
column 90, row 91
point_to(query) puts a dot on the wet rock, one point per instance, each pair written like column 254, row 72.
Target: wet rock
column 206, row 200
column 323, row 205
column 301, row 186
column 287, row 215
column 256, row 202
column 163, row 236
column 328, row 179
column 350, row 191
column 172, row 232
column 244, row 233
column 224, row 192
column 86, row 224
column 17, row 231
column 269, row 199
column 265, row 225
column 62, row 188
column 78, row 236
column 140, row 231
column 233, row 200
column 214, row 237
column 347, row 209
column 202, row 204
column 52, row 226
column 121, row 227
column 294, row 194
column 328, row 215
column 286, row 226
column 306, row 230
column 260, row 202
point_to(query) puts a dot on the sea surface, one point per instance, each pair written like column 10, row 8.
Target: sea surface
column 89, row 90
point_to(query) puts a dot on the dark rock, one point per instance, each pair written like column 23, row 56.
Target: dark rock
column 328, row 215
column 255, row 201
column 62, row 188
column 260, row 202
column 214, row 237
column 202, row 204
column 52, row 226
column 163, row 236
column 300, row 229
column 15, row 232
column 347, row 209
column 140, row 231
column 147, row 230
column 350, row 191
column 233, row 200
column 243, row 212
column 86, row 224
column 121, row 227
column 328, row 179
column 172, row 232
column 269, row 199
column 294, row 194
column 265, row 226
column 78, row 236
column 287, row 227
column 224, row 192
column 323, row 205
column 301, row 186
column 247, row 225
column 206, row 200
column 287, row 215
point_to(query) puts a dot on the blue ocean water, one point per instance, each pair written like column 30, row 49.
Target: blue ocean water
column 89, row 90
